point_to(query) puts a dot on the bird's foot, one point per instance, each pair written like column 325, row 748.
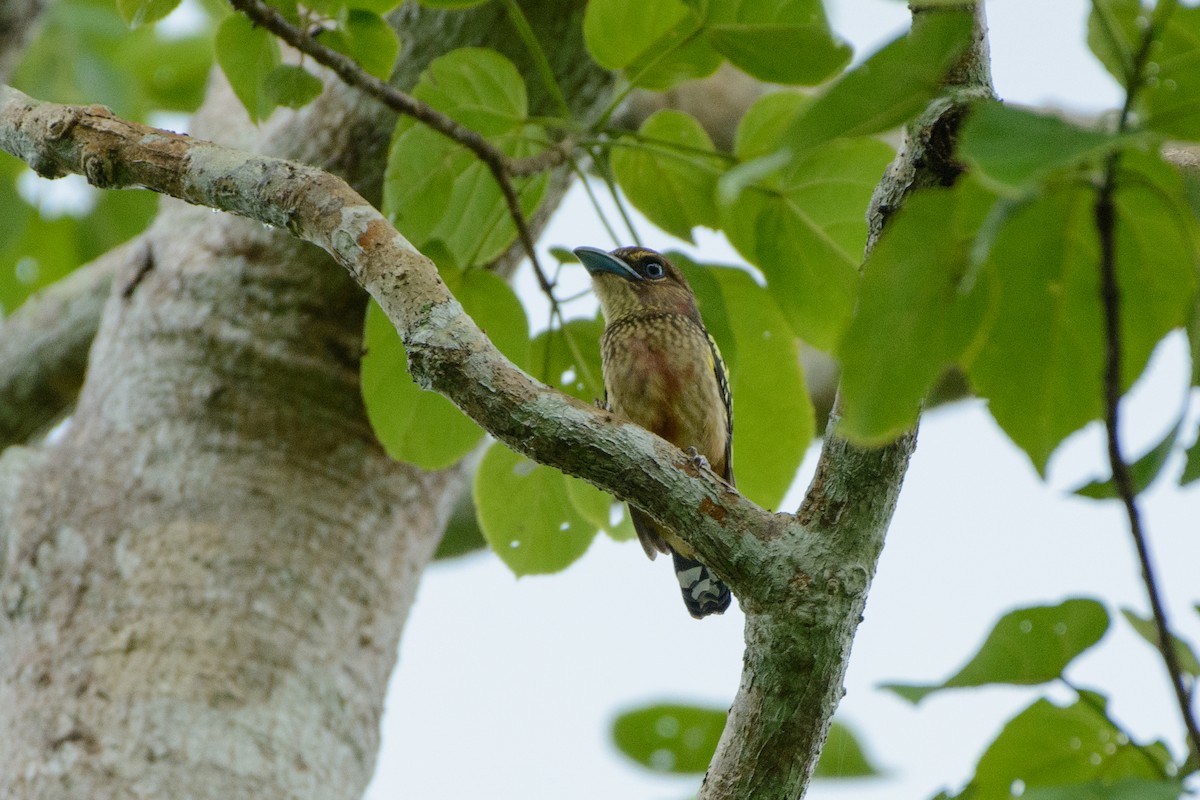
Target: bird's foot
column 698, row 459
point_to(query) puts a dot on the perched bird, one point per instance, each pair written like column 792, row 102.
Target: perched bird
column 663, row 371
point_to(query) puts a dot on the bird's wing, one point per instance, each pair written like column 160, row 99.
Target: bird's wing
column 718, row 367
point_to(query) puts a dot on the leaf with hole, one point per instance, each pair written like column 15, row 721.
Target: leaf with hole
column 526, row 514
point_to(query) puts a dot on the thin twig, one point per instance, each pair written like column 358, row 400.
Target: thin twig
column 354, row 75
column 1110, row 297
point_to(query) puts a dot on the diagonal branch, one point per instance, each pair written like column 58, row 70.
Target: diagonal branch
column 447, row 351
column 346, row 68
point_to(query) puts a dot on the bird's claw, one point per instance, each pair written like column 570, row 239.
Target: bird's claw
column 698, row 459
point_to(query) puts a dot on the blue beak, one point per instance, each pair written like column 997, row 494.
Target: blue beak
column 597, row 261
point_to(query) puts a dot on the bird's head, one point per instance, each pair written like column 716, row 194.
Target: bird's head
column 631, row 281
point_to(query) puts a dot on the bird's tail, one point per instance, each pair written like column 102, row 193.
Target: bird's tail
column 703, row 592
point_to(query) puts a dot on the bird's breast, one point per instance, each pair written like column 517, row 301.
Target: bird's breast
column 658, row 373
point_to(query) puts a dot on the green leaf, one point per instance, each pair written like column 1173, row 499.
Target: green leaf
column 526, row 515
column 917, row 313
column 1011, row 149
column 1040, row 365
column 761, row 130
column 568, row 358
column 1143, row 471
column 170, row 74
column 670, row 738
column 421, row 427
column 292, row 86
column 132, row 72
column 1027, row 646
column 773, row 419
column 1157, row 256
column 667, row 174
column 843, row 756
column 808, row 233
column 1050, row 746
column 452, row 3
column 656, row 44
column 778, row 41
column 247, row 55
column 593, row 504
column 674, row 738
column 144, row 12
column 1128, row 789
column 1146, row 628
column 889, row 88
column 1168, row 98
column 368, row 39
column 435, row 190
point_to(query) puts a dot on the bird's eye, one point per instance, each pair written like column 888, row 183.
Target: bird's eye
column 655, row 270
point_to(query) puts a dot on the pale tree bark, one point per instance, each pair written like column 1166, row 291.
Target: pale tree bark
column 206, row 578
column 247, row 471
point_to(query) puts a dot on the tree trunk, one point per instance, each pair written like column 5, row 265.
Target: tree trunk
column 207, row 576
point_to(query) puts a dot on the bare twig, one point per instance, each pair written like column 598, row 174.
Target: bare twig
column 349, row 71
column 1110, row 298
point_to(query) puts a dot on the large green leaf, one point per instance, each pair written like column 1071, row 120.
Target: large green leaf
column 1040, row 365
column 526, row 514
column 779, row 41
column 918, row 311
column 1157, row 256
column 889, row 88
column 1169, row 99
column 666, row 172
column 773, row 416
column 423, row 427
column 656, row 44
column 805, row 228
column 248, row 54
column 1026, row 646
column 1010, row 148
column 437, row 192
column 1050, row 746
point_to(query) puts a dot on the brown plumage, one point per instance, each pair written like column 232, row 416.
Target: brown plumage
column 663, row 371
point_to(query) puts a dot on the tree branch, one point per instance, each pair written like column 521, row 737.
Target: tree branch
column 44, row 347
column 796, row 660
column 447, row 351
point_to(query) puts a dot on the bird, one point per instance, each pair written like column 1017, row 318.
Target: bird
column 663, row 371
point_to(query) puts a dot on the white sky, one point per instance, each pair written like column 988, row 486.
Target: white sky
column 506, row 688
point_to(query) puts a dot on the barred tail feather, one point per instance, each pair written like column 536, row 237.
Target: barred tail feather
column 703, row 592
